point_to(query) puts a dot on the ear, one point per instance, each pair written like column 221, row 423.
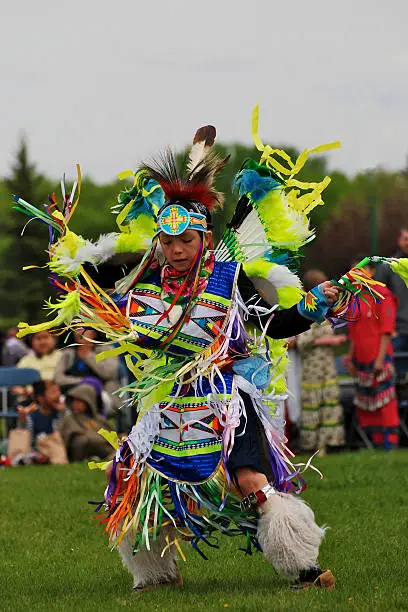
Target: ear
column 209, row 241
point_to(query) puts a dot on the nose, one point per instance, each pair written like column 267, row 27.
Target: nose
column 177, row 247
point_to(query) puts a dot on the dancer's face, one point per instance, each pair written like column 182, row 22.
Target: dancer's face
column 180, row 251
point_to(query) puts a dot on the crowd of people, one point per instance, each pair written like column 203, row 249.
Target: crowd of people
column 59, row 416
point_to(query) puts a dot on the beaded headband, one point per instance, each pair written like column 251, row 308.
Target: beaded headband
column 175, row 219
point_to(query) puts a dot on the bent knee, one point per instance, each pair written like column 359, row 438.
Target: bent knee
column 250, row 481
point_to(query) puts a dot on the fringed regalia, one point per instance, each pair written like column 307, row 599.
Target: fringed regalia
column 206, row 362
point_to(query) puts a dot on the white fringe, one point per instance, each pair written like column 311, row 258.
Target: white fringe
column 288, row 534
column 142, row 436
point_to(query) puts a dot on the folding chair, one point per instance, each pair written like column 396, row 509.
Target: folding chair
column 13, row 377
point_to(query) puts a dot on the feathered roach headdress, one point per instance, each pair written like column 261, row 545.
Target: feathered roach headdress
column 189, row 200
column 185, row 199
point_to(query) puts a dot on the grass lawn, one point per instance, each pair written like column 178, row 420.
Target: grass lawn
column 54, row 556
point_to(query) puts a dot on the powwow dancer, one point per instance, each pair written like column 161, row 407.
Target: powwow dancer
column 207, row 454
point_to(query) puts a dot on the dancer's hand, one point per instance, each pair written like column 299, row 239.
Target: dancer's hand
column 330, row 291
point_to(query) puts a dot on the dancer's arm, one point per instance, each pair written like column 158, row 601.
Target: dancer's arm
column 284, row 323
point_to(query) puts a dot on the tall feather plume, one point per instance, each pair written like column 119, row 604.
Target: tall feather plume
column 203, row 140
column 197, row 186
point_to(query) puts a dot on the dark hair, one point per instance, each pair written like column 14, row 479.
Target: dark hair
column 359, row 257
column 29, row 339
column 40, row 387
column 312, row 278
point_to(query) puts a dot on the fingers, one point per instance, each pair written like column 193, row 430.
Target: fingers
column 330, row 295
column 331, row 292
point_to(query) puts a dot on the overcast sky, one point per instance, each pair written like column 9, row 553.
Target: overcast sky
column 108, row 83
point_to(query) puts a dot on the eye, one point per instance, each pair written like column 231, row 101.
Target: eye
column 187, row 240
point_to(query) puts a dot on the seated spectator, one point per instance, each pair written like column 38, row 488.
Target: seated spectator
column 322, row 414
column 79, row 362
column 79, row 427
column 42, row 415
column 13, row 348
column 35, row 439
column 43, row 356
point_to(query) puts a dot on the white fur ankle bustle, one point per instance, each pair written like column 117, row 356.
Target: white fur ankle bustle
column 148, row 567
column 288, row 534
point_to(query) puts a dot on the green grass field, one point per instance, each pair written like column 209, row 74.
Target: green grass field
column 55, row 557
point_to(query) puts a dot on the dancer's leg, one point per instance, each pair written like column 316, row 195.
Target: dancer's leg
column 249, row 480
column 150, row 568
column 287, row 531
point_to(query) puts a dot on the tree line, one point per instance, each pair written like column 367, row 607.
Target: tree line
column 362, row 213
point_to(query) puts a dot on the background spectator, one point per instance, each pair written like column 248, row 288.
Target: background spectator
column 42, row 415
column 322, row 414
column 79, row 427
column 370, row 358
column 396, row 285
column 35, row 439
column 79, row 362
column 13, row 348
column 43, row 356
